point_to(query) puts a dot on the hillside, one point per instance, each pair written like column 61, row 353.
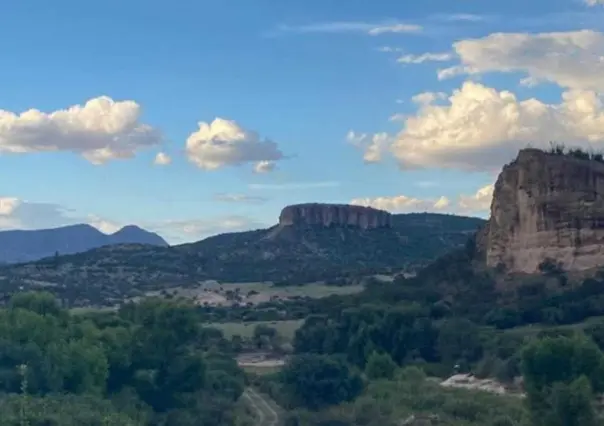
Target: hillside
column 26, row 246
column 539, row 258
column 296, row 253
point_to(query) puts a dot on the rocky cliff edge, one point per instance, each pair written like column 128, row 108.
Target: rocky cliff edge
column 547, row 206
column 329, row 215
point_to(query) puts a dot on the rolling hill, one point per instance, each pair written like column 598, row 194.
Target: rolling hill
column 294, row 254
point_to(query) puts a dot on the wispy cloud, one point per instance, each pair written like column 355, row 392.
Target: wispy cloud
column 425, row 57
column 593, row 2
column 293, row 185
column 239, row 198
column 370, row 28
column 464, row 17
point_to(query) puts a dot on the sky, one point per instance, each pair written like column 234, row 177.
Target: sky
column 192, row 118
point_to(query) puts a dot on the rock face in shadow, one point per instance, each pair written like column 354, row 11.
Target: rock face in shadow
column 546, row 207
column 334, row 215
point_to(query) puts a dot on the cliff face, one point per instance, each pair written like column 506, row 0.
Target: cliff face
column 334, row 215
column 546, row 206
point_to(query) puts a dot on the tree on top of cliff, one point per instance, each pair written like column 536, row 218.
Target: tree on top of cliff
column 561, row 149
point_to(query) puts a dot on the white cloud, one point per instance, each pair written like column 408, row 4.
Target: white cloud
column 425, row 57
column 477, row 202
column 352, row 27
column 594, row 2
column 572, row 60
column 264, row 166
column 224, row 143
column 100, row 130
column 239, row 198
column 8, row 205
column 103, row 225
column 20, row 214
column 395, row 28
column 373, row 146
column 162, row 159
column 426, row 98
column 183, row 231
column 468, row 17
column 293, row 185
column 389, row 49
column 402, row 203
column 481, row 128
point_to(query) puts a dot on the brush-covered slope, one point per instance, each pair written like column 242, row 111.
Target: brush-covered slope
column 299, row 252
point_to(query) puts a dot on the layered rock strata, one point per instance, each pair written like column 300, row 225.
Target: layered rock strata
column 546, row 206
column 329, row 215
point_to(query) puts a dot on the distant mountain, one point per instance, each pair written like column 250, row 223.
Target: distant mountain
column 310, row 243
column 26, row 246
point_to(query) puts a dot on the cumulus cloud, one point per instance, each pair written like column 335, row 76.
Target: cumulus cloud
column 481, row 128
column 594, row 2
column 373, row 146
column 480, row 201
column 370, row 28
column 100, row 130
column 425, row 57
column 402, row 203
column 162, row 159
column 224, row 143
column 573, row 60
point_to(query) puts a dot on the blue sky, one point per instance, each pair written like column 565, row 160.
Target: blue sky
column 314, row 101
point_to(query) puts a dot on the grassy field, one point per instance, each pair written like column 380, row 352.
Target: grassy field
column 287, row 329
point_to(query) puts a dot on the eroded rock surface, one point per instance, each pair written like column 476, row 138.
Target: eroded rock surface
column 334, row 215
column 546, row 206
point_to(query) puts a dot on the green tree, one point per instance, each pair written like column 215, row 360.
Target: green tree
column 380, row 366
column 561, row 374
column 316, row 381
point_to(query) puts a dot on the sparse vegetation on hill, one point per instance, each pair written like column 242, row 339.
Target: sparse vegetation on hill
column 107, row 275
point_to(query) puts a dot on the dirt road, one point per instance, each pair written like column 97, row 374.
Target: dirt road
column 266, row 414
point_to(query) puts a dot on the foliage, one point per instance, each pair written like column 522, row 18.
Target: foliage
column 149, row 362
column 561, row 374
column 560, row 149
column 390, row 402
column 316, row 381
column 380, row 366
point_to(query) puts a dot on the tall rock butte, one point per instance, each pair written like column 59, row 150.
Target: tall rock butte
column 328, row 215
column 546, row 206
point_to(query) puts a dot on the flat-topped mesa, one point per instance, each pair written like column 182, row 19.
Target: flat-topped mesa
column 328, row 215
column 547, row 206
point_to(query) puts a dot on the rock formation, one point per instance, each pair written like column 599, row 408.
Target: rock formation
column 328, row 215
column 547, row 206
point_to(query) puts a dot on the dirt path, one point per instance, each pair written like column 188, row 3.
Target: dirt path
column 267, row 415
